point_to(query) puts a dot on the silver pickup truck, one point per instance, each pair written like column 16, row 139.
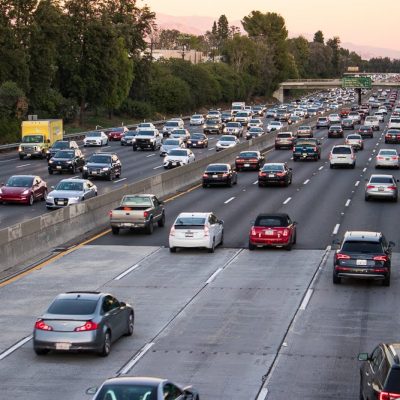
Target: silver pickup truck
column 138, row 211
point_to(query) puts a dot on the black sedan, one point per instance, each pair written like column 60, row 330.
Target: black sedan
column 144, row 388
column 85, row 321
column 252, row 160
column 219, row 174
column 102, row 165
column 66, row 160
column 275, row 174
column 197, row 140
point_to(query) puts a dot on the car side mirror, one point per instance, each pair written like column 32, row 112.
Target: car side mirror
column 363, row 357
column 91, row 390
column 52, row 187
column 221, row 222
column 392, row 244
column 122, row 304
column 161, row 203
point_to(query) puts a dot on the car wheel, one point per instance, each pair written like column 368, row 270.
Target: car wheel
column 106, row 348
column 289, row 246
column 31, row 200
column 172, row 249
column 251, row 246
column 115, row 230
column 386, row 281
column 230, row 184
column 51, row 171
column 44, row 196
column 150, row 227
column 212, row 248
column 131, row 323
column 295, row 159
column 21, row 157
column 134, row 148
column 331, row 166
column 353, row 165
column 73, row 169
column 336, row 279
column 161, row 222
column 110, row 176
column 41, row 352
column 205, row 186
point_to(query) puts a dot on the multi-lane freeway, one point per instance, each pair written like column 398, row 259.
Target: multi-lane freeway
column 236, row 324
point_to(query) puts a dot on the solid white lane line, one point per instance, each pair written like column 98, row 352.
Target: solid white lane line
column 128, row 271
column 255, row 183
column 287, row 200
column 357, row 183
column 213, row 276
column 306, row 299
column 211, row 148
column 151, row 155
column 124, row 370
column 328, row 248
column 16, row 346
column 160, row 166
column 364, row 169
column 120, row 180
column 321, row 167
column 263, row 394
column 23, row 165
column 336, row 229
column 347, row 203
column 305, row 182
column 229, row 200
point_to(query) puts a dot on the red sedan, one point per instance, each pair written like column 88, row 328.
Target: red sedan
column 116, row 133
column 273, row 230
column 23, row 189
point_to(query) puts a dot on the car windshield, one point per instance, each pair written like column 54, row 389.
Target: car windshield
column 273, row 167
column 248, row 154
column 233, row 125
column 197, row 116
column 364, row 128
column 127, row 392
column 361, row 246
column 395, row 120
column 137, row 201
column 284, row 135
column 144, row 125
column 275, row 123
column 341, row 150
column 172, row 123
column 217, row 168
column 197, row 136
column 304, row 128
column 255, row 130
column 381, row 179
column 179, row 132
column 388, row 153
column 20, row 181
column 171, row 142
column 64, row 154
column 146, row 133
column 70, row 185
column 271, row 221
column 211, row 122
column 228, row 138
column 72, row 307
column 130, row 133
column 99, row 159
column 33, row 139
column 117, row 130
column 93, row 134
column 242, row 114
column 181, row 153
column 61, row 145
column 354, row 137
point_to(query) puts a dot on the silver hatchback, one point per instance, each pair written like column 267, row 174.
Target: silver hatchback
column 86, row 321
column 381, row 186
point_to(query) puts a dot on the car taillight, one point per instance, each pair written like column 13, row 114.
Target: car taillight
column 370, row 187
column 89, row 326
column 239, row 160
column 206, row 231
column 41, row 325
column 379, row 157
column 286, row 232
column 392, row 187
column 110, row 213
column 172, row 231
column 388, row 396
column 395, row 158
column 262, row 174
column 340, row 256
column 205, row 175
column 224, row 175
column 253, row 232
column 145, row 214
column 380, row 258
column 280, row 173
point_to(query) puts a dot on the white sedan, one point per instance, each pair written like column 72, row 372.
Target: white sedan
column 178, row 157
column 95, row 139
column 196, row 230
column 196, row 119
column 226, row 141
column 387, row 158
column 145, row 125
column 274, row 126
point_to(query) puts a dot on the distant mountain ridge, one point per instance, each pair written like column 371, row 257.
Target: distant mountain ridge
column 198, row 25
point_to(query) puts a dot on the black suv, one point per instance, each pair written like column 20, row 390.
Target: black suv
column 61, row 145
column 365, row 255
column 102, row 165
column 380, row 373
column 66, row 160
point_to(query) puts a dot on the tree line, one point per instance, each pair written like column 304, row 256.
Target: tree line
column 62, row 59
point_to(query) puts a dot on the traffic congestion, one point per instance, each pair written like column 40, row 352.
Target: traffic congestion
column 320, row 200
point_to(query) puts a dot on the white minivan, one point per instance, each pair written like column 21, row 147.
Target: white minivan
column 342, row 155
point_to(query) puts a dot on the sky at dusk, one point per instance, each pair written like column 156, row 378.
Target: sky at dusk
column 364, row 22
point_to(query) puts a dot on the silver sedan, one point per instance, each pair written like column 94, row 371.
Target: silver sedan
column 86, row 321
column 70, row 191
column 387, row 158
column 381, row 186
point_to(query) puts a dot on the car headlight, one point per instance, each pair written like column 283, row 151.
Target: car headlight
column 47, row 151
column 106, row 169
column 69, row 162
column 152, row 140
column 51, row 161
column 85, row 168
column 75, row 198
column 19, row 148
column 25, row 192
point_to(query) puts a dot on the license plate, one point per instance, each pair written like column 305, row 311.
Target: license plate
column 215, row 176
column 304, row 154
column 189, row 235
column 58, row 167
column 381, row 189
column 63, row 346
column 269, row 232
column 361, row 262
column 94, row 172
column 194, row 144
column 271, row 176
column 28, row 155
column 59, row 202
column 247, row 165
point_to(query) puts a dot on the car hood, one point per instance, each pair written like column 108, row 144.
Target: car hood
column 92, row 138
column 226, row 142
column 13, row 190
column 166, row 147
column 97, row 165
column 176, row 158
column 61, row 159
column 66, row 193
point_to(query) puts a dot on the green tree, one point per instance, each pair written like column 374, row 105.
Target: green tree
column 168, row 39
column 223, row 29
column 12, row 100
column 299, row 48
column 334, row 44
column 319, row 37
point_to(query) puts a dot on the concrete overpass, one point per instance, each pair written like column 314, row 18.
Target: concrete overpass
column 311, row 84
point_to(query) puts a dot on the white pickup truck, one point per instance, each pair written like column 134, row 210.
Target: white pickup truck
column 138, row 211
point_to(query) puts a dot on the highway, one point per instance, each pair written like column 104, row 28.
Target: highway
column 238, row 325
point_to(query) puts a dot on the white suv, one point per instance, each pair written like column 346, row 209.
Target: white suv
column 201, row 230
column 342, row 155
column 372, row 121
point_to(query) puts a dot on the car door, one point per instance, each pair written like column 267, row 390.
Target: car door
column 370, row 375
column 215, row 227
column 113, row 316
column 37, row 188
column 157, row 207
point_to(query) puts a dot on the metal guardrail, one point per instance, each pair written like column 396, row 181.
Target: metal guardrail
column 78, row 135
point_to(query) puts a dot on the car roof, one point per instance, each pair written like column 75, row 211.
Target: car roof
column 84, row 295
column 23, row 176
column 219, row 165
column 126, row 380
column 73, row 180
column 381, row 176
column 194, row 214
column 362, row 235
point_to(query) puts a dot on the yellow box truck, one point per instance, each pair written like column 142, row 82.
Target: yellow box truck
column 38, row 136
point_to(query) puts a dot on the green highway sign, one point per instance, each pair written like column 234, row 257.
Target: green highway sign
column 362, row 82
